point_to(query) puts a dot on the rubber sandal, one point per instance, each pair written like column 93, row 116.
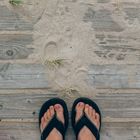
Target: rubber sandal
column 84, row 120
column 54, row 122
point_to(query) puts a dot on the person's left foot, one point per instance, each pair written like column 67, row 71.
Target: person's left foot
column 54, row 134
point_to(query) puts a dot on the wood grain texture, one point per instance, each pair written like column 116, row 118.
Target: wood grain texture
column 116, row 47
column 21, row 105
column 100, row 76
column 108, row 29
column 13, row 46
column 115, row 76
column 10, row 20
column 22, row 76
column 30, row 131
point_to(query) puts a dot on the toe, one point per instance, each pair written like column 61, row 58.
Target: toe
column 80, row 106
column 97, row 117
column 59, row 112
column 43, row 123
column 79, row 110
column 48, row 116
column 51, row 111
column 58, row 108
column 86, row 109
column 90, row 111
column 93, row 114
column 45, row 116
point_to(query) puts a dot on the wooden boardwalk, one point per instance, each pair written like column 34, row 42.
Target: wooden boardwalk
column 113, row 74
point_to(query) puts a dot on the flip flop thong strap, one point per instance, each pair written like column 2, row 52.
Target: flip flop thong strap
column 54, row 123
column 84, row 121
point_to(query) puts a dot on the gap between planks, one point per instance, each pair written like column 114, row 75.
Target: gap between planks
column 16, row 32
column 104, row 120
column 98, row 91
column 22, row 61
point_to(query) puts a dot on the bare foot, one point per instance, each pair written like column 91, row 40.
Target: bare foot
column 54, row 134
column 85, row 133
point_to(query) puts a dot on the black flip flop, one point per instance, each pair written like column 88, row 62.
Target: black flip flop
column 84, row 120
column 54, row 122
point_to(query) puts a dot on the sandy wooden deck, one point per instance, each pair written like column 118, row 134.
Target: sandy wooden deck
column 98, row 42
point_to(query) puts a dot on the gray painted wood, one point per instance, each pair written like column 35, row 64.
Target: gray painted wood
column 12, row 51
column 116, row 29
column 12, row 21
column 18, row 38
column 100, row 76
column 14, row 46
column 30, row 131
column 115, row 26
column 115, row 76
column 22, row 76
column 21, row 105
column 101, row 20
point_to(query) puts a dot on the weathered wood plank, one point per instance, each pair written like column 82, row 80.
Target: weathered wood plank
column 16, row 38
column 100, row 76
column 28, row 131
column 13, row 46
column 22, row 76
column 116, row 131
column 23, row 106
column 10, row 20
column 19, row 131
column 101, row 20
column 115, row 76
column 118, row 47
column 26, row 105
column 116, row 33
column 119, row 105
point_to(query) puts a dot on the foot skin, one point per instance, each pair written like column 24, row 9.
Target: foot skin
column 54, row 134
column 85, row 133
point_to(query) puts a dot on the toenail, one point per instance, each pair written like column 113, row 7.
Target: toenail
column 57, row 106
column 79, row 104
column 97, row 114
column 51, row 107
column 90, row 107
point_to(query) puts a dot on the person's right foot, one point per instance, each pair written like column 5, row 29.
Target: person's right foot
column 85, row 133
